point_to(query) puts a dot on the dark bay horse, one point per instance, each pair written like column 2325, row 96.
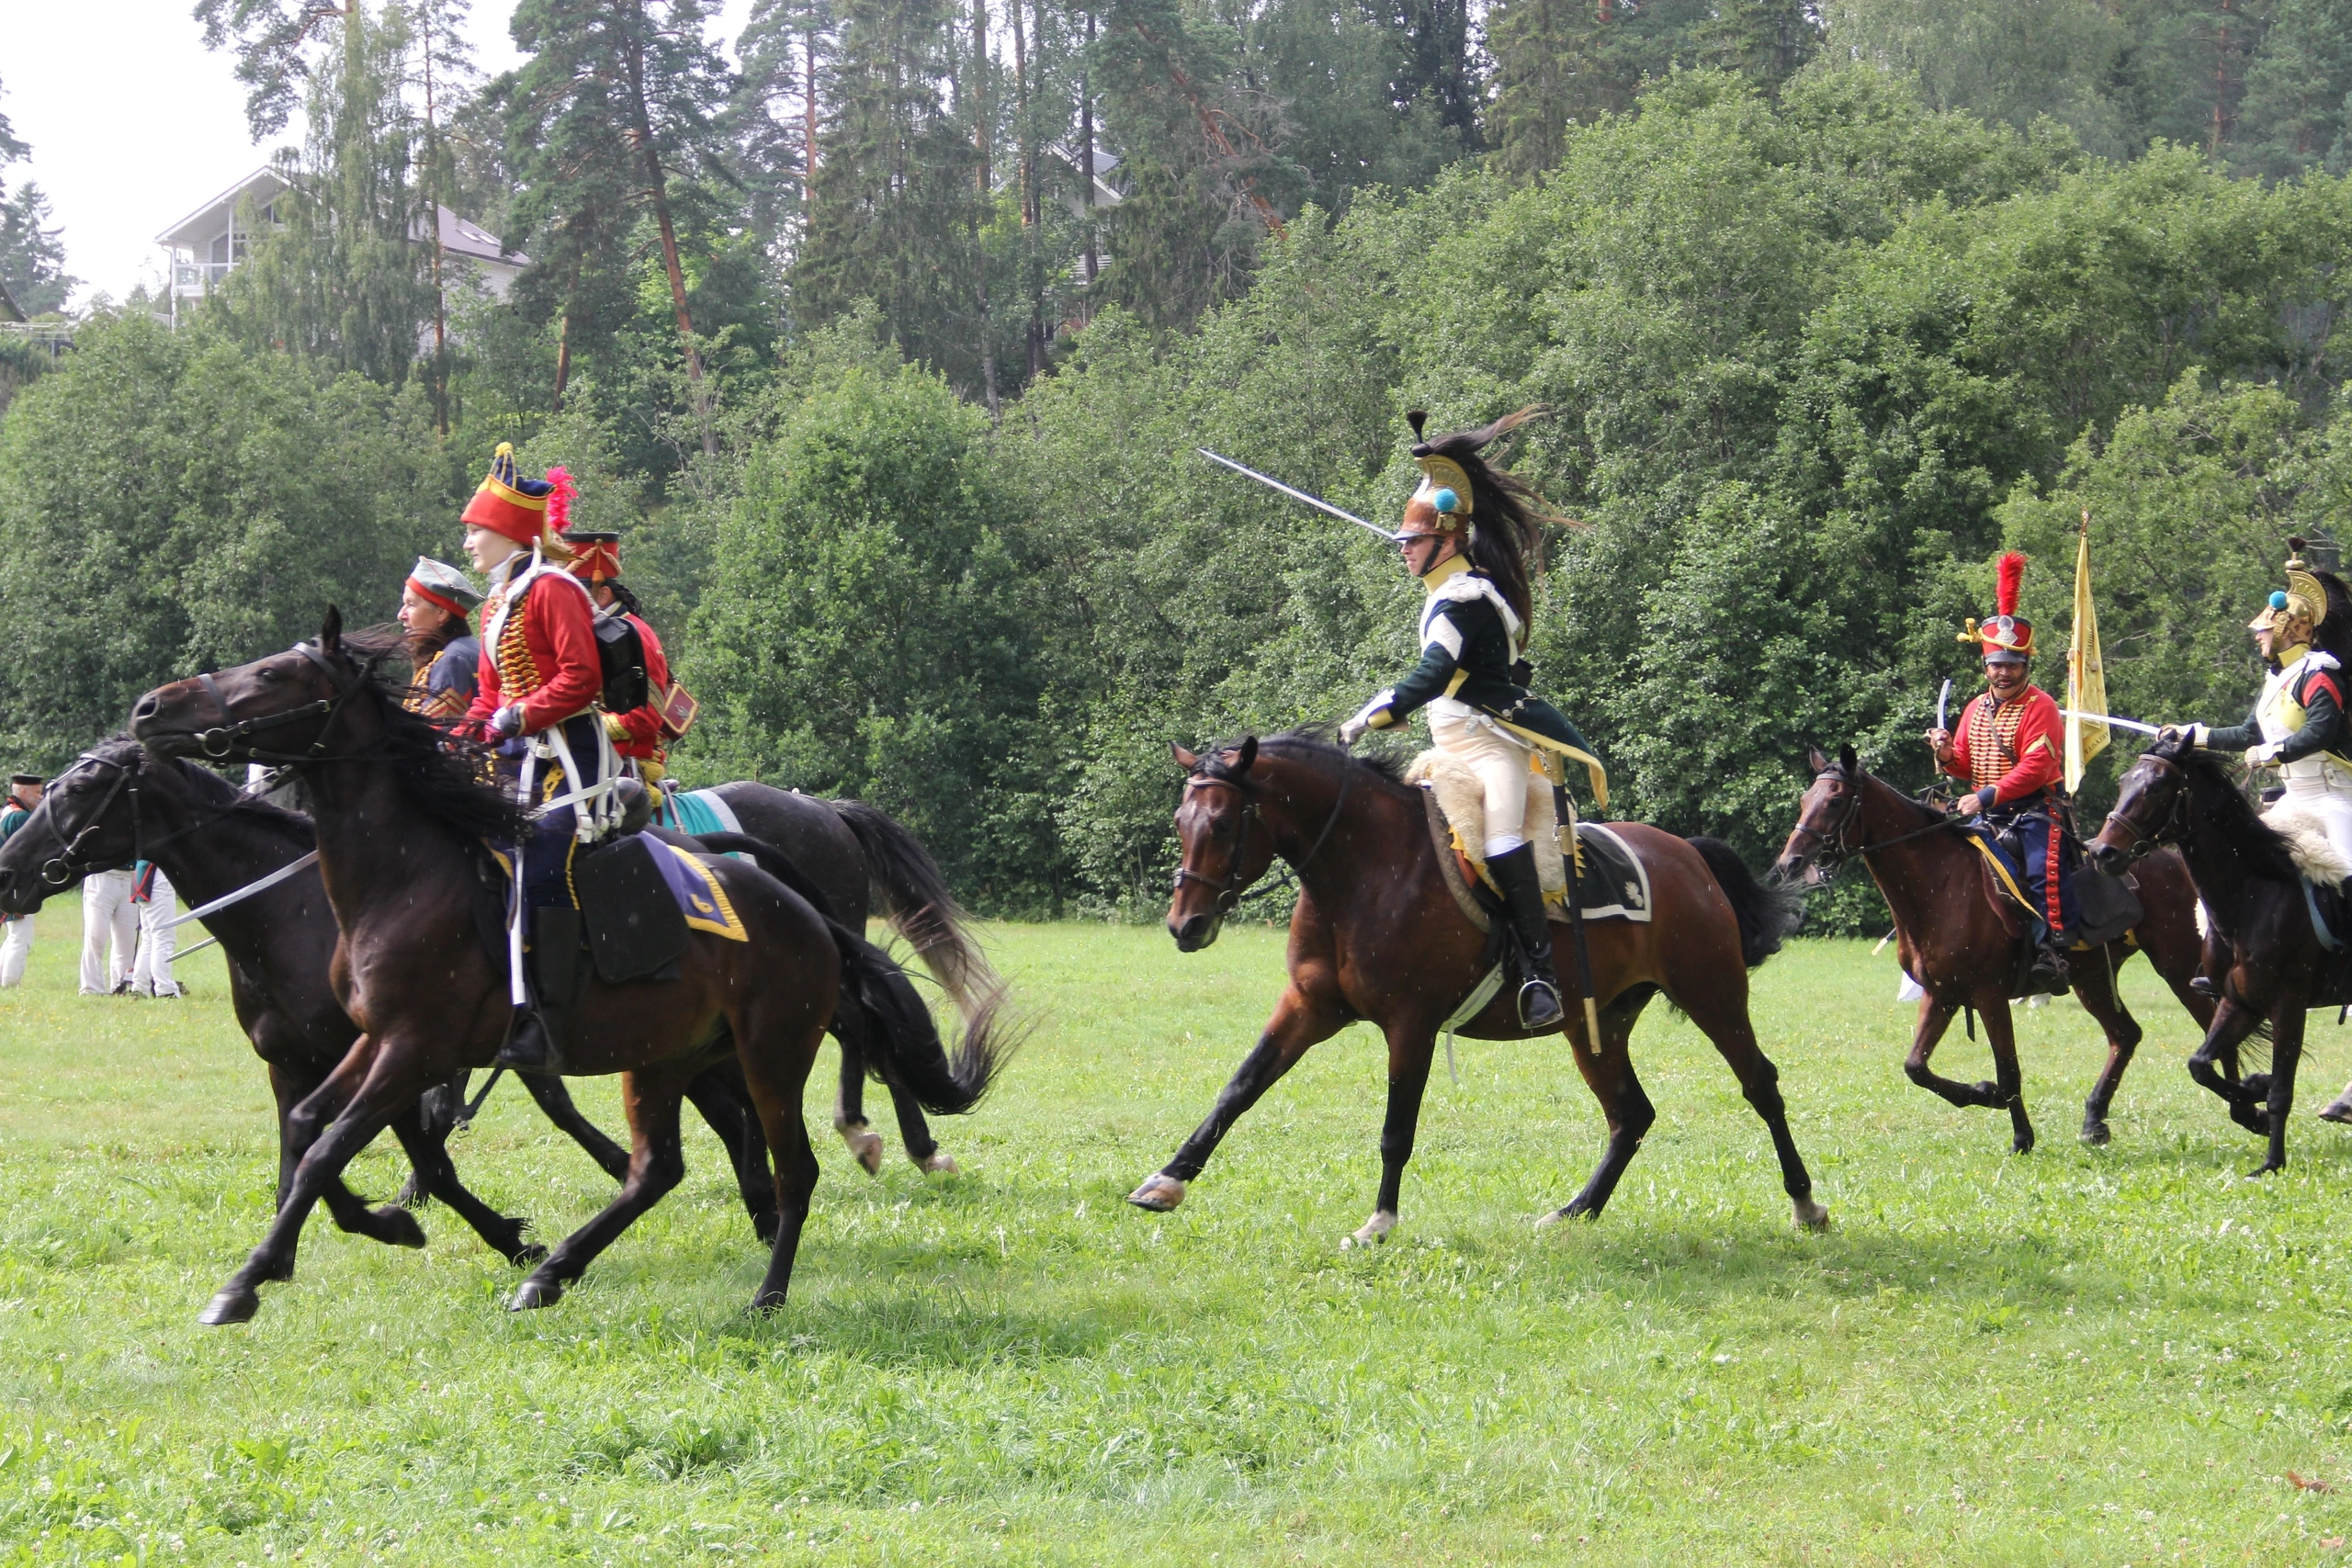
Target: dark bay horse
column 1378, row 936
column 2254, row 896
column 400, row 819
column 1952, row 941
column 116, row 804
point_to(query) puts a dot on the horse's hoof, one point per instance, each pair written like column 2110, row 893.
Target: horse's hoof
column 2339, row 1109
column 1373, row 1232
column 2095, row 1134
column 237, row 1304
column 1574, row 1210
column 938, row 1163
column 2022, row 1145
column 1809, row 1216
column 864, row 1144
column 1159, row 1195
column 767, row 1303
column 395, row 1226
column 534, row 1292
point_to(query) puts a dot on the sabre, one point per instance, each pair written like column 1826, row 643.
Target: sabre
column 1943, row 704
column 2110, row 718
column 1297, row 494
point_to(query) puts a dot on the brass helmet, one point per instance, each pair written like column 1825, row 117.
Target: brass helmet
column 2304, row 598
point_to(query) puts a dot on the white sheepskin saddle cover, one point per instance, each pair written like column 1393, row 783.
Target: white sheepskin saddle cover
column 1463, row 800
column 2315, row 854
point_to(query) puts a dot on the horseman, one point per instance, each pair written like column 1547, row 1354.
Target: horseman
column 2296, row 725
column 639, row 670
column 540, row 677
column 1469, row 532
column 436, row 602
column 2011, row 745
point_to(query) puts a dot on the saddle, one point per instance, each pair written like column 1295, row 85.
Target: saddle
column 2106, row 908
column 638, row 897
column 1611, row 881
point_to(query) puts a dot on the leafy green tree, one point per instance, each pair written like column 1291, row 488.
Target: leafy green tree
column 174, row 501
column 32, row 254
column 867, row 629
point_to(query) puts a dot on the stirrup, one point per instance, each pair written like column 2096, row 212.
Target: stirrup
column 1539, row 1004
column 529, row 1047
column 2206, row 987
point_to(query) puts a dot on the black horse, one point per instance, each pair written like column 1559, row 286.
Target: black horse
column 2254, row 896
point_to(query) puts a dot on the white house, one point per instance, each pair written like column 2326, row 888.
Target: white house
column 207, row 243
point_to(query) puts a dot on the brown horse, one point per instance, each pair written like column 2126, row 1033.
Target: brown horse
column 2254, row 893
column 401, row 819
column 1378, row 936
column 1952, row 941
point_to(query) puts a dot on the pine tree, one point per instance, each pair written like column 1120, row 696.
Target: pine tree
column 621, row 95
column 32, row 258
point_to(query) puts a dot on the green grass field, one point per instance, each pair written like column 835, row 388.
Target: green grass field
column 2107, row 1355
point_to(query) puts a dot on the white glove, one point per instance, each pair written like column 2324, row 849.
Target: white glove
column 1352, row 731
column 507, row 720
column 2262, row 756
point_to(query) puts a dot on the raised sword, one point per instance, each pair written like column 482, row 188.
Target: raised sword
column 1297, row 494
column 1943, row 704
column 2110, row 718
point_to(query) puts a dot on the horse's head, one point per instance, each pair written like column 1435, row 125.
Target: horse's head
column 292, row 698
column 1826, row 817
column 2152, row 808
column 1226, row 847
column 86, row 821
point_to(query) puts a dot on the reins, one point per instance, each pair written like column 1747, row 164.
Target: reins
column 1834, row 841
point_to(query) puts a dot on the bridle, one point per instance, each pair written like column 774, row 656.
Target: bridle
column 2174, row 826
column 68, row 863
column 220, row 741
column 1229, row 891
column 1835, row 851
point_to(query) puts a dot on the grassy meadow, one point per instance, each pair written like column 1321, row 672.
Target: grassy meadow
column 2120, row 1356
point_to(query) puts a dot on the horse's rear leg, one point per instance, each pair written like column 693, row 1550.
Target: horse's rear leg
column 849, row 1102
column 1725, row 1020
column 915, row 1132
column 2103, row 999
column 1612, row 1079
column 1300, row 1022
column 656, row 1164
column 1410, row 1048
column 556, row 1100
column 725, row 1103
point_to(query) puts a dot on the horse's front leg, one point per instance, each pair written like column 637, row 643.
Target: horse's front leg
column 1410, row 1047
column 2008, row 1083
column 1936, row 1011
column 2285, row 1051
column 372, row 1086
column 2103, row 999
column 2234, row 1021
column 1302, row 1020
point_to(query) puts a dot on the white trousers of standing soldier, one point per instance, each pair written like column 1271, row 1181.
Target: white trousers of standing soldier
column 109, row 921
column 15, row 949
column 151, row 975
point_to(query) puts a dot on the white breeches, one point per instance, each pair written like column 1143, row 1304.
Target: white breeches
column 14, row 950
column 1516, row 795
column 108, row 918
column 2327, row 795
column 153, row 973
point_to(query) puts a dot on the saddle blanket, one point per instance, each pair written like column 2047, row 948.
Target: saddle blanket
column 692, row 884
column 696, row 811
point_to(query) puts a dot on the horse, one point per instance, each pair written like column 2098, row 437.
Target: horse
column 111, row 807
column 2254, row 896
column 1378, row 936
column 865, row 859
column 402, row 821
column 1952, row 941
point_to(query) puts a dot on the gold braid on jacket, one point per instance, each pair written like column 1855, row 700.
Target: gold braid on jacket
column 518, row 673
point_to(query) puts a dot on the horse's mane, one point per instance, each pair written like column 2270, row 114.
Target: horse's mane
column 1314, row 742
column 440, row 773
column 2258, row 849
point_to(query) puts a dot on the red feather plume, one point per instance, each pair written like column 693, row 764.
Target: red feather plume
column 2008, row 576
column 559, row 500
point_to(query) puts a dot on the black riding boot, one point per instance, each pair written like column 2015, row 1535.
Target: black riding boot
column 1539, row 996
column 553, row 968
column 2050, row 971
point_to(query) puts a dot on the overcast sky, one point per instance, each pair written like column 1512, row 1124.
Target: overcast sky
column 157, row 130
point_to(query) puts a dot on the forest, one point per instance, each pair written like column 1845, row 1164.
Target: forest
column 885, row 334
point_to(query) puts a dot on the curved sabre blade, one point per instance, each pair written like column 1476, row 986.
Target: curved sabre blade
column 1297, row 494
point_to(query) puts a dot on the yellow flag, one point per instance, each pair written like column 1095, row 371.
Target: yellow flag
column 2085, row 676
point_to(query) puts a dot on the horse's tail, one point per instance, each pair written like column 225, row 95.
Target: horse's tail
column 881, row 1009
column 915, row 898
column 900, row 1041
column 1766, row 915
